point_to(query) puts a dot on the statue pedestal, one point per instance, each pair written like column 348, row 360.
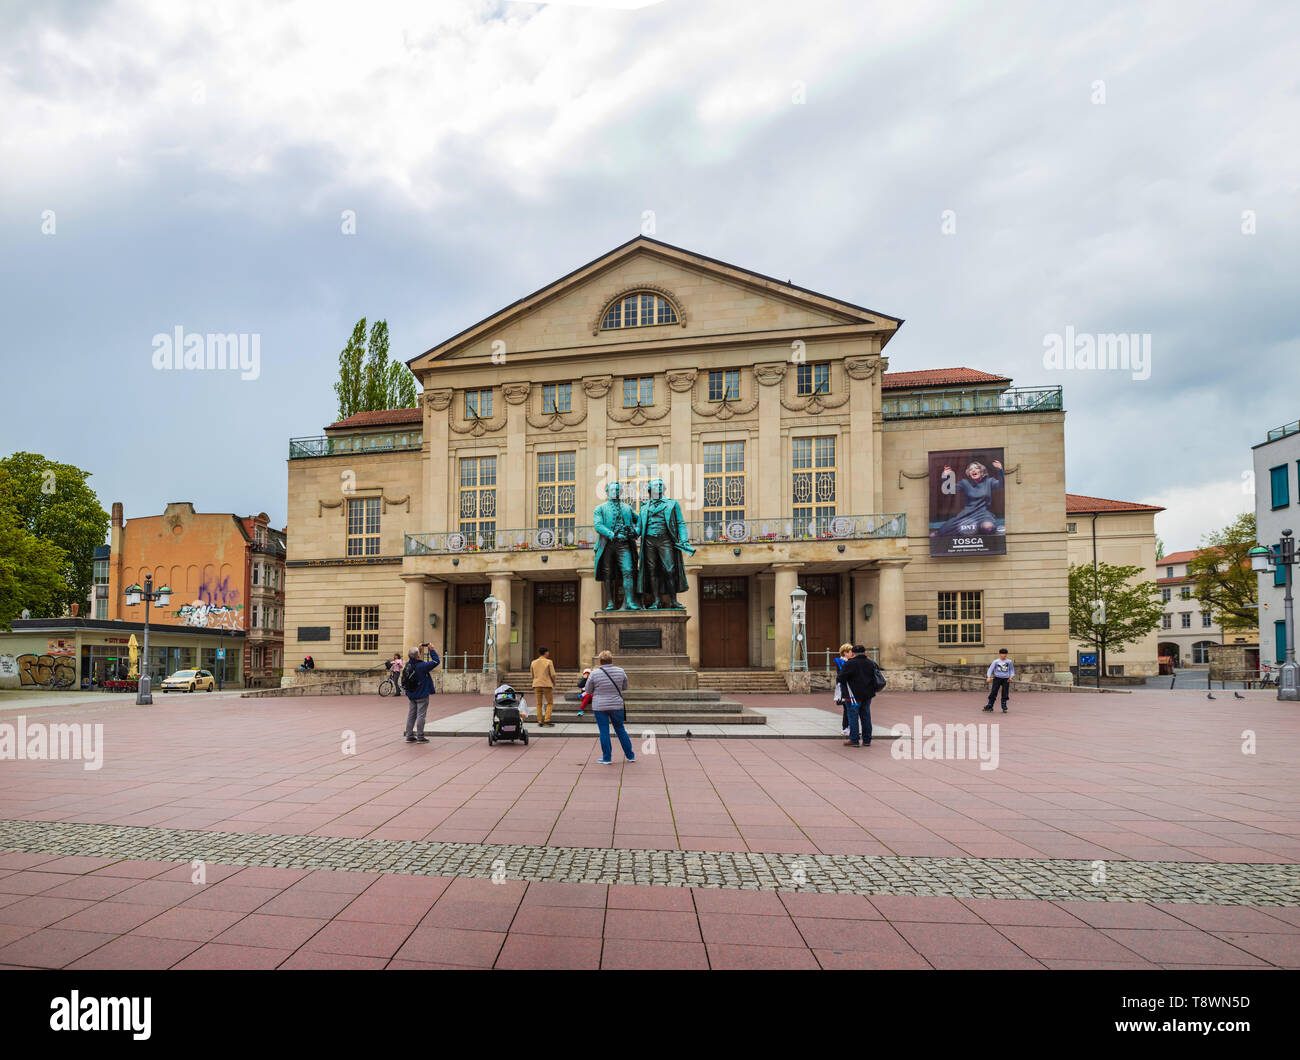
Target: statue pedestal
column 649, row 644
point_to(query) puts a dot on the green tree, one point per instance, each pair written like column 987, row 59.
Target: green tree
column 1160, row 549
column 31, row 570
column 1223, row 580
column 369, row 380
column 54, row 503
column 350, row 386
column 1109, row 609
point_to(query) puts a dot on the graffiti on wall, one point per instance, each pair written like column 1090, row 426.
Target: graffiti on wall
column 218, row 592
column 46, row 671
column 209, row 616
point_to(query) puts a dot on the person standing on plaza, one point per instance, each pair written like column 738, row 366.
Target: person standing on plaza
column 841, row 697
column 417, row 683
column 859, row 680
column 606, row 685
column 1000, row 672
column 543, row 671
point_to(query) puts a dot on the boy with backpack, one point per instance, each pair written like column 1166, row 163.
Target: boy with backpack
column 417, row 683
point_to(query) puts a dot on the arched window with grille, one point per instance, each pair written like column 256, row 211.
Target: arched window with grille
column 638, row 309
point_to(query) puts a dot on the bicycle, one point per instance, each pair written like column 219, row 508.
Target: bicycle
column 388, row 686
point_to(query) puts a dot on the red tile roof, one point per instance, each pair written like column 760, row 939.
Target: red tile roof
column 1179, row 557
column 379, row 418
column 938, row 377
column 1078, row 504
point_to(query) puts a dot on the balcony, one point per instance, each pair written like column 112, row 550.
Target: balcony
column 351, row 444
column 925, row 404
column 702, row 534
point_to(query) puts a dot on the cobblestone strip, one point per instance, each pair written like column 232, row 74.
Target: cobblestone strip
column 1025, row 878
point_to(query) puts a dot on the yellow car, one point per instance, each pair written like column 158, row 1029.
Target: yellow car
column 189, row 681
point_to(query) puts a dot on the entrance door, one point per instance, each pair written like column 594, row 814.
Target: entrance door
column 555, row 622
column 823, row 616
column 724, row 622
column 469, row 625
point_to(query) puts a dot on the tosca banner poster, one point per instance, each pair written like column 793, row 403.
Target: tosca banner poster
column 967, row 503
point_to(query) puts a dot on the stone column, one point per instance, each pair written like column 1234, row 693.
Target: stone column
column 770, row 486
column 501, row 590
column 787, row 579
column 513, row 476
column 518, row 602
column 589, row 603
column 436, row 511
column 594, row 389
column 413, row 620
column 860, row 440
column 692, row 605
column 686, row 488
column 434, row 595
column 891, row 613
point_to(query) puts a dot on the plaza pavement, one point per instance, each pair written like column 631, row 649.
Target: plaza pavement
column 1116, row 831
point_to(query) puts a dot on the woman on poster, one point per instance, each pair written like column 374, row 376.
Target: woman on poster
column 976, row 492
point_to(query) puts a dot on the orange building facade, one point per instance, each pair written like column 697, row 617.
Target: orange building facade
column 226, row 572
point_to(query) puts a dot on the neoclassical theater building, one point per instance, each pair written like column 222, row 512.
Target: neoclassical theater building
column 800, row 461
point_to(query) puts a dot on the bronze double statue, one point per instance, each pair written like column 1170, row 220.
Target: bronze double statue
column 641, row 553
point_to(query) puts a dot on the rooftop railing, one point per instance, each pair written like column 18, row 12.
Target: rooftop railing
column 922, row 404
column 702, row 532
column 1283, row 431
column 350, row 444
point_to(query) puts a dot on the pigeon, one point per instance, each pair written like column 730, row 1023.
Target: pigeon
column 1209, row 695
column 1237, row 695
column 688, row 734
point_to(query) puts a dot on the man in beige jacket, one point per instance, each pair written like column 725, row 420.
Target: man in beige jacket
column 543, row 671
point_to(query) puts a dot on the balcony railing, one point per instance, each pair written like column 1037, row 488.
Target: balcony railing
column 927, row 403
column 702, row 532
column 349, row 444
column 455, row 542
column 1283, row 431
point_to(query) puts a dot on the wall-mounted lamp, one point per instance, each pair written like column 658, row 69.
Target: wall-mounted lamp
column 771, row 614
column 867, row 609
column 433, row 620
column 735, row 552
column 839, row 548
column 546, row 559
column 455, row 561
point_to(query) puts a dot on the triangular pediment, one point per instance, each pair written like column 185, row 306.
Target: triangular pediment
column 711, row 299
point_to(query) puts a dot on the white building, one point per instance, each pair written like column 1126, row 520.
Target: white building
column 1277, row 507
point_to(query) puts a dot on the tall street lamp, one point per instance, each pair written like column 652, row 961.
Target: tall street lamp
column 134, row 595
column 1264, row 561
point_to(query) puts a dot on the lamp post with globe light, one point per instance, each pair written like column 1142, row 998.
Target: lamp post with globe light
column 1265, row 560
column 135, row 594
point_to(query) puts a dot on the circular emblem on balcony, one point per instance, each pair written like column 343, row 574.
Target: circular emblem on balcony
column 841, row 526
column 736, row 530
column 544, row 538
column 456, row 542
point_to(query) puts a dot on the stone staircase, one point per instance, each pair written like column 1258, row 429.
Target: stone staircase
column 741, row 682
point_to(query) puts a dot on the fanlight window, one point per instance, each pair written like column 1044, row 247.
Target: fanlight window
column 639, row 309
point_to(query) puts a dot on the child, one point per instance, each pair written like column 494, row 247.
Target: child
column 1000, row 672
column 521, row 706
column 582, row 683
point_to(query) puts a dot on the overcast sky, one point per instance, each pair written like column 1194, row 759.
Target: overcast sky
column 1110, row 168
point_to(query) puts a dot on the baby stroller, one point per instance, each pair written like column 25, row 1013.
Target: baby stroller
column 507, row 723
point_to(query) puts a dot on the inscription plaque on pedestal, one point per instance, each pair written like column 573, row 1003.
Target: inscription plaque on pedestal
column 640, row 638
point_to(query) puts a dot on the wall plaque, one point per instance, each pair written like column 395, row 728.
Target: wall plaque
column 640, row 638
column 313, row 633
column 1027, row 620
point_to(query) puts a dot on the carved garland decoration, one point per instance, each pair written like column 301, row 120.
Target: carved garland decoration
column 726, row 408
column 633, row 289
column 558, row 421
column 385, row 504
